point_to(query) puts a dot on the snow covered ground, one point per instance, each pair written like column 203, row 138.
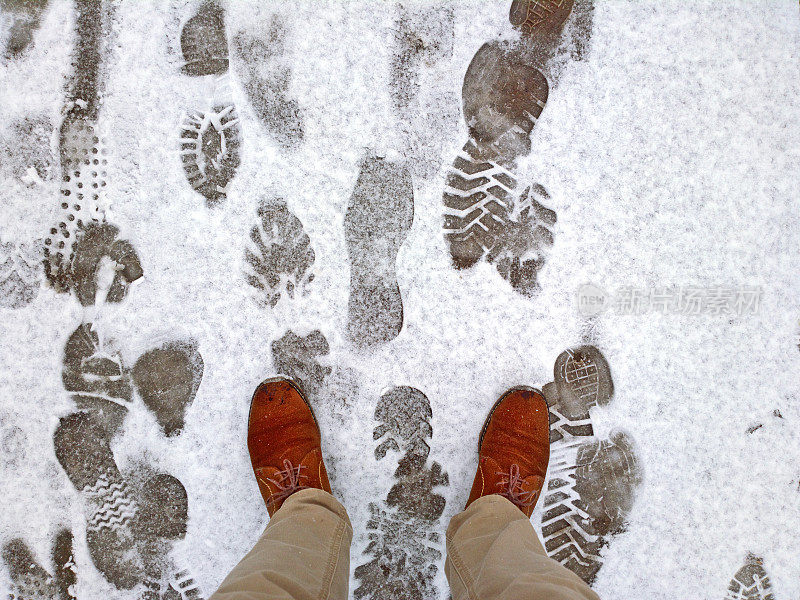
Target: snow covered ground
column 248, row 210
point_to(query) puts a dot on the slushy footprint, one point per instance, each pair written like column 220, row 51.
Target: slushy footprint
column 132, row 518
column 588, row 500
column 377, row 221
column 210, row 137
column 488, row 213
column 167, row 379
column 266, row 74
column 583, row 379
column 404, row 543
column 422, row 36
column 592, row 482
column 30, row 580
column 279, row 259
column 403, row 414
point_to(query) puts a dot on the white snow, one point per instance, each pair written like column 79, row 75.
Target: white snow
column 671, row 158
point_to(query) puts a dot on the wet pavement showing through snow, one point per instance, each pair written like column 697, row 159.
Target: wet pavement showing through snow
column 187, row 231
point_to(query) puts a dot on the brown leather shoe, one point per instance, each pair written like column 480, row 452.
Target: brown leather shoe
column 513, row 449
column 284, row 442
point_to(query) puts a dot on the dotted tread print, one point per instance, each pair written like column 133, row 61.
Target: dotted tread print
column 751, row 581
column 281, row 257
column 82, row 149
column 20, row 274
column 266, row 76
column 82, row 449
column 591, row 482
column 403, row 539
column 297, row 357
column 210, row 150
column 31, row 581
column 83, row 168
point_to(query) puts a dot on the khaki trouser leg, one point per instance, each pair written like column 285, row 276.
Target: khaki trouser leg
column 493, row 553
column 304, row 554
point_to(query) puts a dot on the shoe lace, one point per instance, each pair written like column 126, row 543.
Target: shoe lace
column 511, row 483
column 287, row 481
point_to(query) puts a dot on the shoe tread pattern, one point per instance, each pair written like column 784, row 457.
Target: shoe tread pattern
column 591, row 482
column 280, row 257
column 404, row 543
column 751, row 581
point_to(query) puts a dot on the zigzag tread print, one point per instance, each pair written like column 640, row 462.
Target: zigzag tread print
column 488, row 214
column 476, row 201
column 111, row 502
column 591, row 481
column 83, row 450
